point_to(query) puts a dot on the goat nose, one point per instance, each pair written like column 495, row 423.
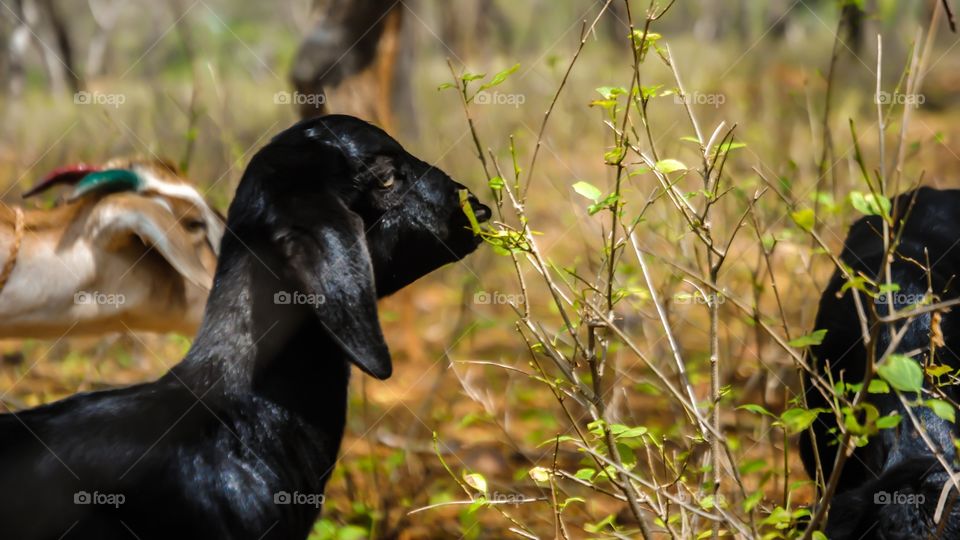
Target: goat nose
column 480, row 210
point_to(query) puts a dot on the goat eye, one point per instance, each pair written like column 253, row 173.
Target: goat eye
column 387, row 182
column 195, row 225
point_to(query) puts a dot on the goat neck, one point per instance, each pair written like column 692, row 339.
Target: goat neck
column 251, row 345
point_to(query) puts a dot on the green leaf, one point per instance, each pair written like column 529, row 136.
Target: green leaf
column 468, row 211
column 608, row 521
column 633, row 433
column 870, row 204
column 942, row 409
column 816, row 338
column 588, row 190
column 500, row 77
column 752, row 501
column 752, row 466
column 496, row 183
column 888, row 422
column 648, row 92
column 805, row 218
column 728, row 146
column 614, row 156
column 667, row 166
column 604, row 103
column 889, row 288
column 866, row 412
column 756, row 409
column 938, row 371
column 467, row 77
column 476, row 481
column 540, row 474
column 352, row 532
column 446, row 85
column 902, row 372
column 585, row 474
column 796, row 420
column 878, row 386
column 607, row 202
column 571, row 500
column 627, row 456
column 611, row 92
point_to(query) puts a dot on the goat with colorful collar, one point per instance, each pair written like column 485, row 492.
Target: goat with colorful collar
column 133, row 247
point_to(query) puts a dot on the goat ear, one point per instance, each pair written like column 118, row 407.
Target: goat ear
column 332, row 264
column 155, row 225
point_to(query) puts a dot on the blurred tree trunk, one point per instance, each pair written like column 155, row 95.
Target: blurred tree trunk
column 17, row 46
column 34, row 19
column 64, row 63
column 356, row 59
column 469, row 28
column 615, row 23
column 105, row 15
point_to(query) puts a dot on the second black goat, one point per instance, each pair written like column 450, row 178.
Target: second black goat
column 891, row 487
column 239, row 439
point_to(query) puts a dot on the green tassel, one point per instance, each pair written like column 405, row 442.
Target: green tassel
column 108, row 180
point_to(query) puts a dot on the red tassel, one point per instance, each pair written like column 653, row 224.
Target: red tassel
column 69, row 174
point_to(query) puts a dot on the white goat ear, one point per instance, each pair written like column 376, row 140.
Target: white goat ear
column 125, row 216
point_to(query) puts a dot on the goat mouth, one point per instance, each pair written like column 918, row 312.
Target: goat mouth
column 481, row 211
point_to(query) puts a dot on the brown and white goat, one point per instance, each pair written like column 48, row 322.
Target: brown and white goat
column 133, row 247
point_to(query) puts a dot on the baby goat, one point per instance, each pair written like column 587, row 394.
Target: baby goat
column 891, row 487
column 239, row 439
column 134, row 248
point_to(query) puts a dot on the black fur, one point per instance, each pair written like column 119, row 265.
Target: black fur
column 890, row 488
column 253, row 416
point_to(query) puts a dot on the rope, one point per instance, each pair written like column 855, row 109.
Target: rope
column 14, row 248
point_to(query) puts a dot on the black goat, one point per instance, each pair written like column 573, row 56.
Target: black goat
column 891, row 487
column 239, row 439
